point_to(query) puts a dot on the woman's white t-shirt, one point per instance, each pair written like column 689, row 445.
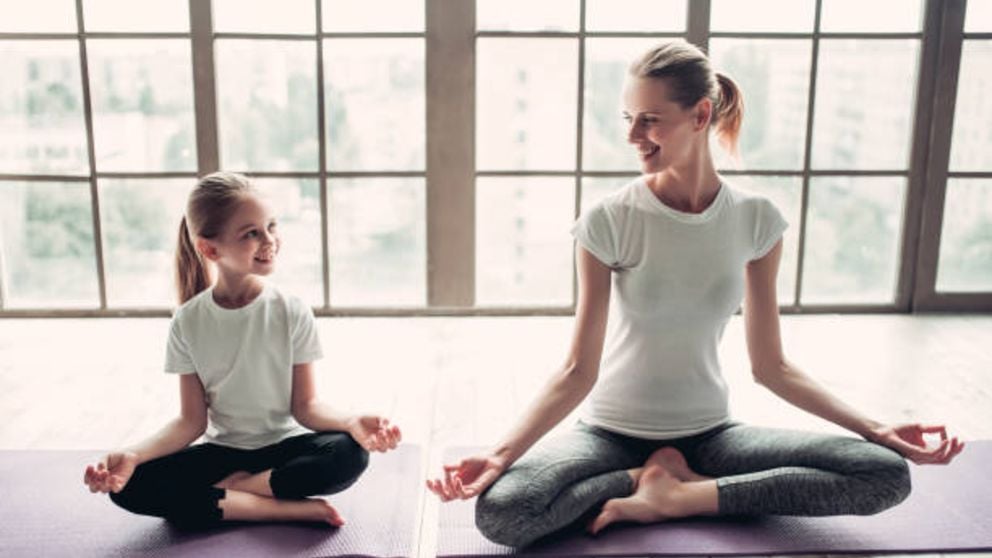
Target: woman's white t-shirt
column 244, row 358
column 678, row 277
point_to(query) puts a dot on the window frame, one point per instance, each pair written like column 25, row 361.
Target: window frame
column 450, row 172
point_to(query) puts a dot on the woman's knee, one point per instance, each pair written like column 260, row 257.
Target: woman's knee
column 889, row 482
column 503, row 515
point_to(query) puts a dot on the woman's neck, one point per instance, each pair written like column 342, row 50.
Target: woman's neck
column 235, row 292
column 690, row 186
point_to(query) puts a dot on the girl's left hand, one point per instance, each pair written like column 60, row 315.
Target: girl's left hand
column 374, row 433
column 908, row 440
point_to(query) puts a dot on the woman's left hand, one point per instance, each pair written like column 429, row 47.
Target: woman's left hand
column 908, row 440
column 374, row 433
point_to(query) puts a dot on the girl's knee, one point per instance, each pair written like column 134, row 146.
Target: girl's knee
column 351, row 458
column 328, row 472
column 125, row 500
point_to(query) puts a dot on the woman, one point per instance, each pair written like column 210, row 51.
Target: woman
column 681, row 248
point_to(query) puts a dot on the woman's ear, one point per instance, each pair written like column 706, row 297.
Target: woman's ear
column 703, row 114
column 206, row 249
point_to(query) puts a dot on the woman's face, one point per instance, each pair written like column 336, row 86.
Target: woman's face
column 661, row 130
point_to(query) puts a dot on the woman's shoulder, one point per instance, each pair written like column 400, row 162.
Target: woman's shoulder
column 620, row 200
column 746, row 196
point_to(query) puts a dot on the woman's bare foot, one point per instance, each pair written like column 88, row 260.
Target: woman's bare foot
column 674, row 462
column 656, row 499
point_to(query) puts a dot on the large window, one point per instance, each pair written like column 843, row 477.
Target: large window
column 429, row 156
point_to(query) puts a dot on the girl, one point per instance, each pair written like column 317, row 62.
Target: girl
column 681, row 248
column 244, row 354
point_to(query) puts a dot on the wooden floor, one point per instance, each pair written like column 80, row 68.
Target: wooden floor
column 97, row 383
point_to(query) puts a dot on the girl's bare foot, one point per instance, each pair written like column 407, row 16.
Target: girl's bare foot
column 324, row 511
column 231, row 480
column 674, row 462
column 656, row 499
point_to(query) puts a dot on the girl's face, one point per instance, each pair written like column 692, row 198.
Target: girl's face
column 250, row 240
column 663, row 132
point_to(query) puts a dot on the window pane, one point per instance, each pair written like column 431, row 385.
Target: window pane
column 877, row 16
column 523, row 249
column 42, row 129
column 966, row 239
column 526, row 110
column 128, row 15
column 527, row 15
column 864, row 104
column 971, row 145
column 46, row 231
column 786, row 193
column 357, row 16
column 604, row 141
column 852, row 240
column 791, row 16
column 140, row 223
column 296, row 204
column 375, row 109
column 38, row 16
column 978, row 18
column 378, row 232
column 774, row 77
column 267, row 97
column 656, row 16
column 264, row 16
column 142, row 104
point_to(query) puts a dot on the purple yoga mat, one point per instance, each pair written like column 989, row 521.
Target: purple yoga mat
column 45, row 510
column 947, row 511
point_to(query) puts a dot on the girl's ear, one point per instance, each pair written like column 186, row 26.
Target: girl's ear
column 206, row 249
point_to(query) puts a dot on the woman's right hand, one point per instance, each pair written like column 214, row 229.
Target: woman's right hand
column 112, row 472
column 469, row 478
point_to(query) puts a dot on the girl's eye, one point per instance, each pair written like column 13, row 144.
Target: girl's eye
column 272, row 226
column 251, row 234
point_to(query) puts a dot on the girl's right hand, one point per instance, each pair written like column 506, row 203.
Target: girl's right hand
column 469, row 478
column 112, row 472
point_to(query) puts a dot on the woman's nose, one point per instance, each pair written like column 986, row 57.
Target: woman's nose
column 633, row 132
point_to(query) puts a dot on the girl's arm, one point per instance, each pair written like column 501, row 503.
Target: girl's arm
column 772, row 370
column 562, row 394
column 372, row 432
column 116, row 468
column 182, row 430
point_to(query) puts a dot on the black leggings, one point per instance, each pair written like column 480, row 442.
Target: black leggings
column 179, row 487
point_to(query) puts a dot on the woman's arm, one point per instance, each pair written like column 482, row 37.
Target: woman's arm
column 575, row 379
column 772, row 370
column 372, row 432
column 115, row 469
column 562, row 394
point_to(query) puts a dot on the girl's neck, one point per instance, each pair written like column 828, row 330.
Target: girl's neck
column 236, row 292
column 690, row 186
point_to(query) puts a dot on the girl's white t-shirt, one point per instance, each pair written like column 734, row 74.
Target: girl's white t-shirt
column 677, row 279
column 244, row 358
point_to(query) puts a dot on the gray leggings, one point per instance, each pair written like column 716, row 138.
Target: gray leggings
column 566, row 479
